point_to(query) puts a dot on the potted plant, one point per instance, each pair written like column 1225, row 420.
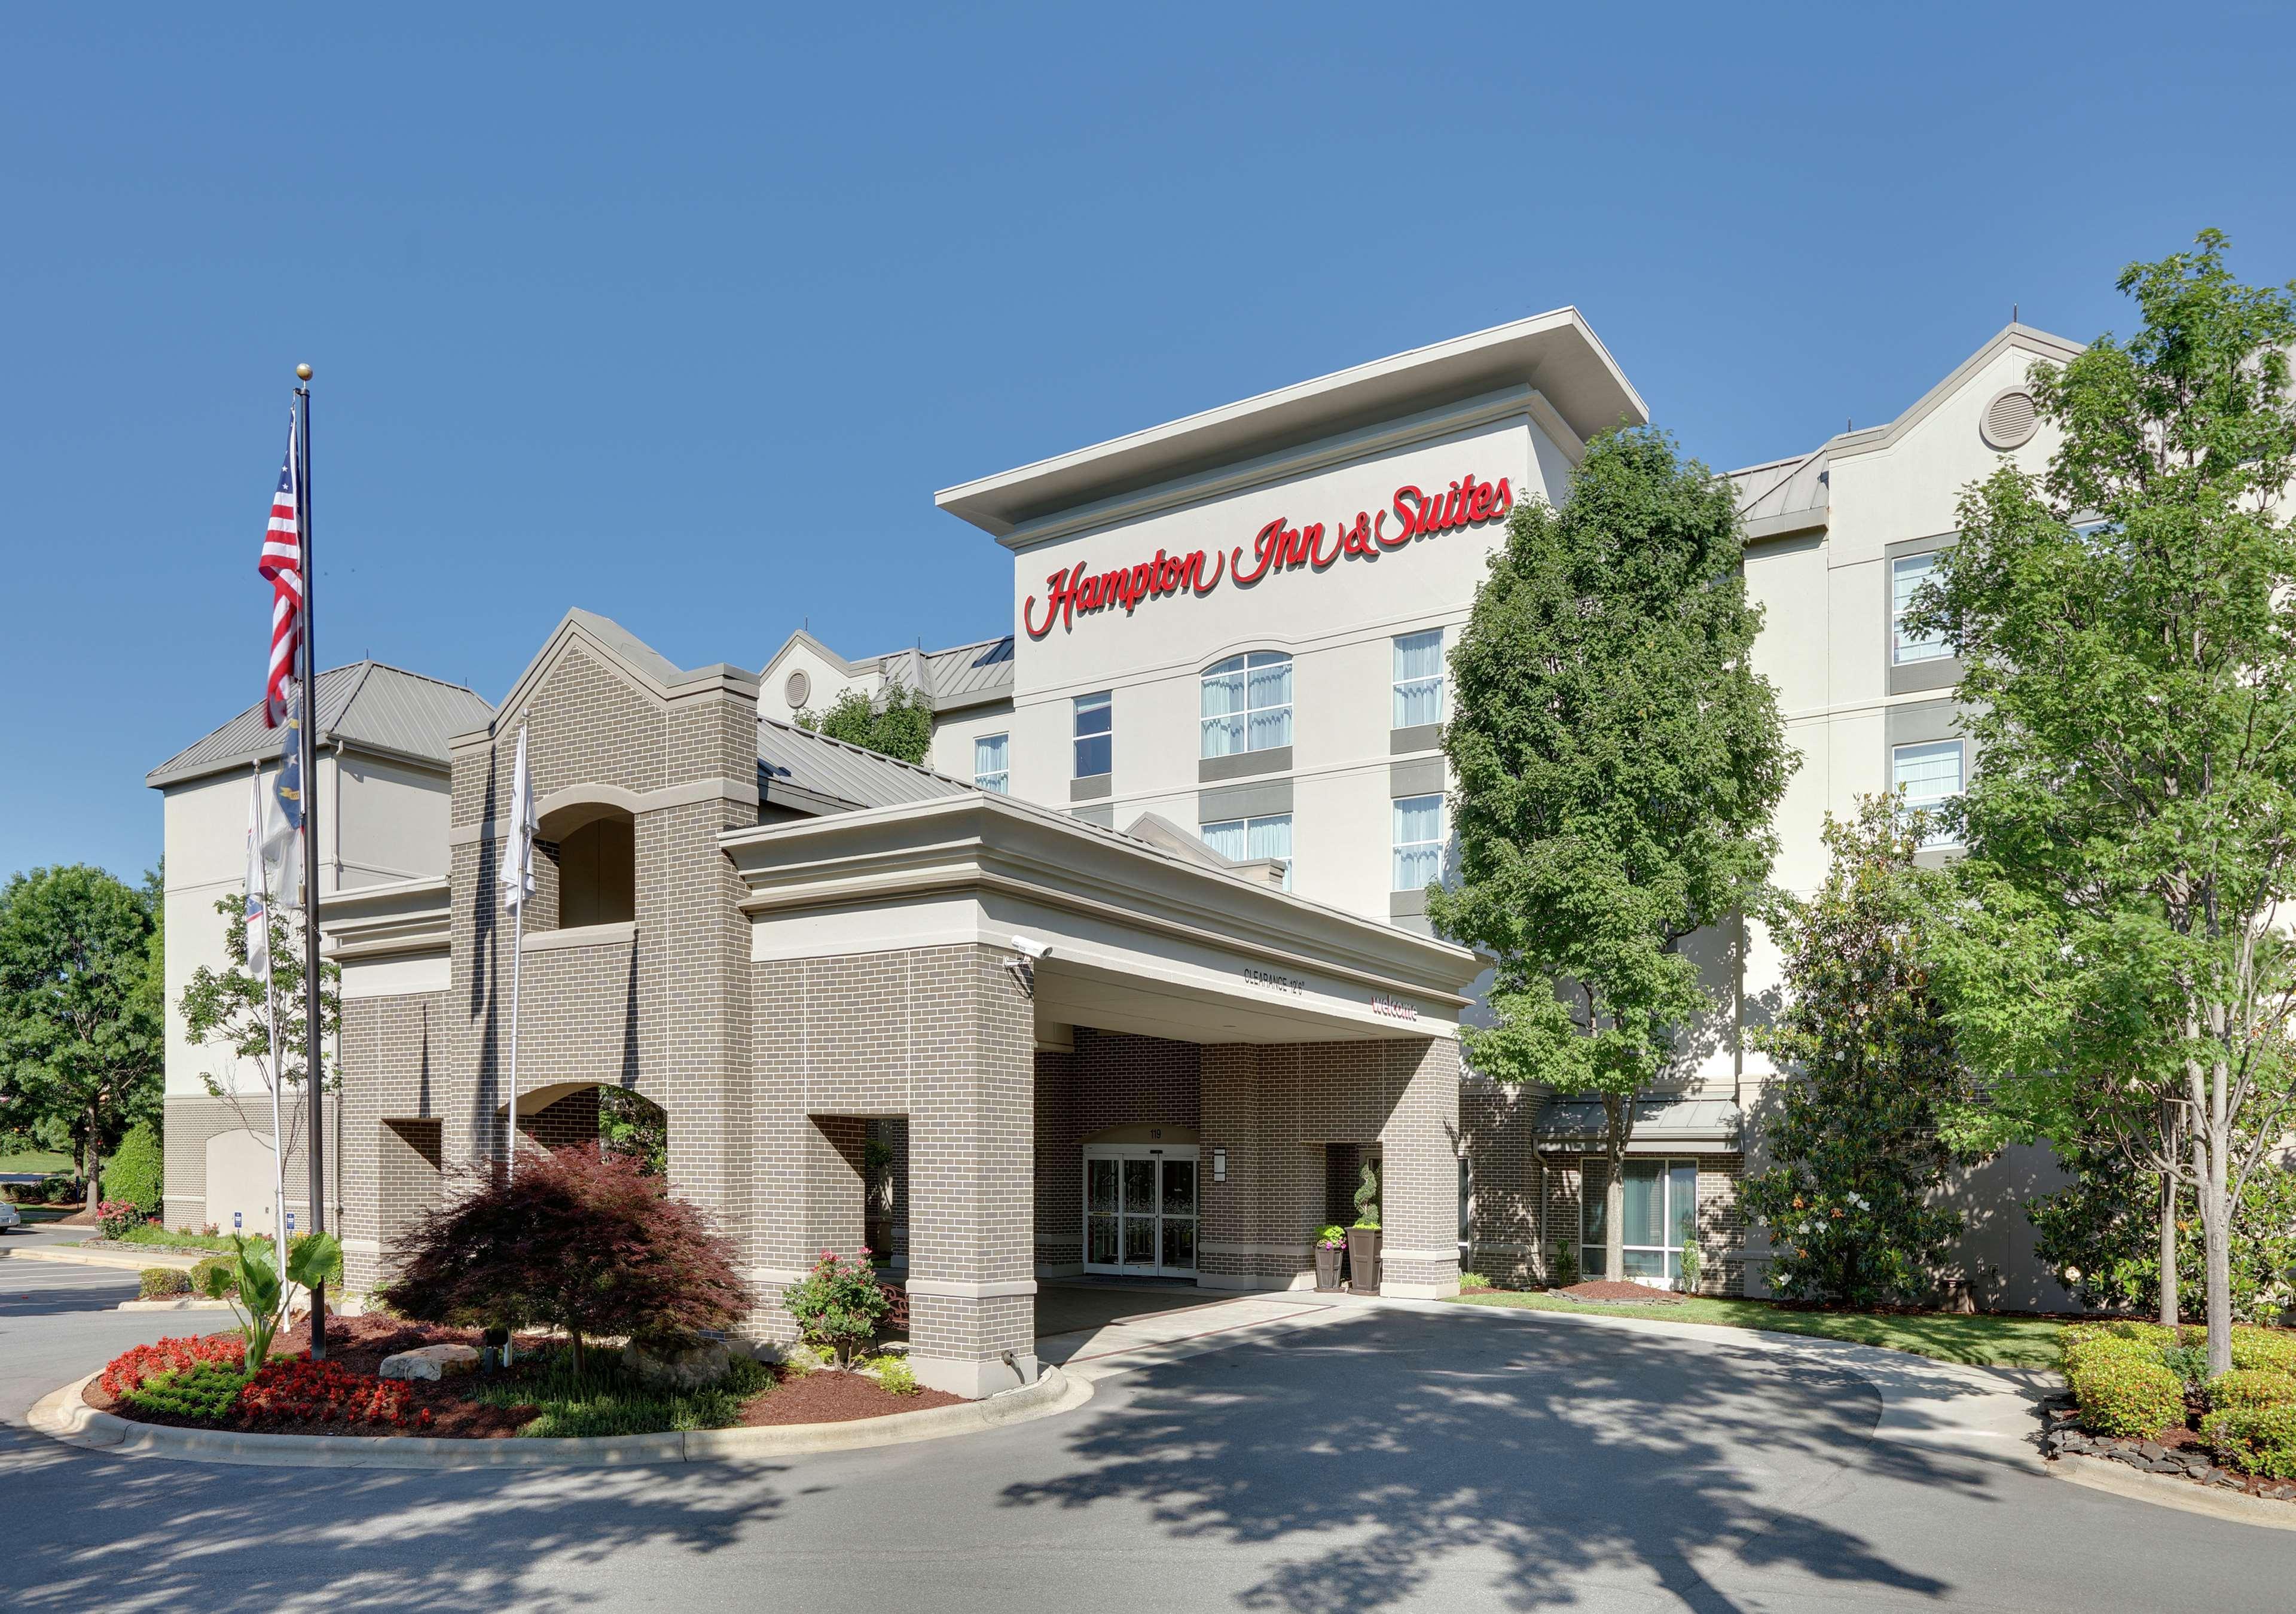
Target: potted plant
column 1331, row 1244
column 1363, row 1238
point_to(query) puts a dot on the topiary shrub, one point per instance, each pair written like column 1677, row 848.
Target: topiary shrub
column 584, row 1239
column 838, row 1305
column 2260, row 1439
column 162, row 1284
column 133, row 1173
column 2249, row 1387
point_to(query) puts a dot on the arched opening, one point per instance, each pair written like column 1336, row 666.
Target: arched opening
column 618, row 1119
column 597, row 865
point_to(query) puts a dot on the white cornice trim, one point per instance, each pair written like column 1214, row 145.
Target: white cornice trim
column 1522, row 402
column 741, row 793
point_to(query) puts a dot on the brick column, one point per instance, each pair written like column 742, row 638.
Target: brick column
column 1419, row 1253
column 972, row 1179
column 1258, row 1228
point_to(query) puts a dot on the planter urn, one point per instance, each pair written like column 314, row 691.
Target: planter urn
column 1327, row 1266
column 1362, row 1260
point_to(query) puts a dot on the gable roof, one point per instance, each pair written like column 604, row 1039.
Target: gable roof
column 623, row 651
column 814, row 774
column 368, row 705
column 962, row 676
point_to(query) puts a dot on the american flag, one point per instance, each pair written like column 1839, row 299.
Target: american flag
column 282, row 563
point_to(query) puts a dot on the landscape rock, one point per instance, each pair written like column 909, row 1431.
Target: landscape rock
column 696, row 1366
column 430, row 1362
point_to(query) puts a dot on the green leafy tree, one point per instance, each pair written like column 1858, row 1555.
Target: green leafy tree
column 1618, row 759
column 630, row 1123
column 226, row 1009
column 899, row 723
column 81, row 1047
column 2100, row 1234
column 1849, row 1205
column 134, row 1175
column 2129, row 647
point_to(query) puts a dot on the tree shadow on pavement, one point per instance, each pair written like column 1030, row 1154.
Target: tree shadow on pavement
column 1385, row 1445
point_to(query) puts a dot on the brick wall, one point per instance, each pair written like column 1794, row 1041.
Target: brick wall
column 1110, row 1079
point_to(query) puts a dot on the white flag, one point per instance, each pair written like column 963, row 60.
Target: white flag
column 518, row 857
column 259, row 907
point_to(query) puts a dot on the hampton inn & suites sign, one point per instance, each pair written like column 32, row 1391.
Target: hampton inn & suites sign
column 1079, row 590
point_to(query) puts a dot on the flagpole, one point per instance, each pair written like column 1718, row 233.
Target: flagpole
column 517, row 962
column 314, row 1023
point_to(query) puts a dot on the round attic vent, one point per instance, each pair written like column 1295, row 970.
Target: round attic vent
column 2010, row 419
column 798, row 690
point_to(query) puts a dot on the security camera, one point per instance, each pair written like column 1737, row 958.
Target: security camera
column 1037, row 952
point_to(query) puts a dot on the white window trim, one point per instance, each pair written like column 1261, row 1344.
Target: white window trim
column 1098, row 700
column 1441, row 843
column 1941, row 837
column 1003, row 775
column 1667, row 1223
column 1437, row 679
column 1902, row 654
column 1241, row 666
column 1289, row 860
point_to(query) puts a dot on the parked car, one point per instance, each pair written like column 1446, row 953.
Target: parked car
column 9, row 1219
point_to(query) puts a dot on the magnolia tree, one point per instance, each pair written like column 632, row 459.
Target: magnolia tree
column 584, row 1238
column 1618, row 759
column 2127, row 625
column 227, row 1010
column 1850, row 1204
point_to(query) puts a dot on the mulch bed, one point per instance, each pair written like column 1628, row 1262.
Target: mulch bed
column 1612, row 1292
column 359, row 1345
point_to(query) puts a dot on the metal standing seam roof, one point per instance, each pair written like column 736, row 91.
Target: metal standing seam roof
column 365, row 703
column 968, row 670
column 801, row 759
column 1784, row 488
column 1659, row 1119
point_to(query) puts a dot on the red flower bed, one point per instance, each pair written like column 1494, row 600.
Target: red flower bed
column 301, row 1390
column 128, row 1370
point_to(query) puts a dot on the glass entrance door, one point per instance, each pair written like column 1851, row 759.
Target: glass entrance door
column 1140, row 1210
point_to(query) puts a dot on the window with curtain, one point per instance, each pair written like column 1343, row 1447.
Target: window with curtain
column 1662, row 1217
column 1419, row 679
column 1247, row 704
column 1243, row 840
column 1095, row 741
column 1418, row 842
column 1931, row 776
column 991, row 763
column 1906, row 574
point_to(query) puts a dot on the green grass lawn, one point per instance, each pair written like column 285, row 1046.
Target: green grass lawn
column 1979, row 1341
column 37, row 1159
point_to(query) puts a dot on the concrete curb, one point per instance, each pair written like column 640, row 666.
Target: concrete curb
column 2165, row 1490
column 119, row 1259
column 179, row 1304
column 64, row 1415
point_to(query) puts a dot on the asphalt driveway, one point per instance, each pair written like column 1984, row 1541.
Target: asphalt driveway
column 1472, row 1459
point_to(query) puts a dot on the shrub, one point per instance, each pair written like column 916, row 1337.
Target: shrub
column 115, row 1218
column 1692, row 1260
column 1566, row 1266
column 208, row 1391
column 2189, row 1362
column 2249, row 1387
column 2260, row 1439
column 133, row 1173
column 163, row 1282
column 896, row 1374
column 1367, row 1197
column 2271, row 1351
column 585, row 1239
column 216, row 1279
column 129, row 1369
column 2125, row 1391
column 1474, row 1284
column 838, row 1305
column 1333, row 1237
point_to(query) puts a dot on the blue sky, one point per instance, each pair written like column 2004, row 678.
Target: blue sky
column 685, row 322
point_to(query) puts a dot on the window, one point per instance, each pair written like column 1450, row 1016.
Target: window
column 1095, row 744
column 1661, row 1215
column 992, row 767
column 1247, row 704
column 1419, row 679
column 1930, row 776
column 1418, row 842
column 1906, row 574
column 1242, row 840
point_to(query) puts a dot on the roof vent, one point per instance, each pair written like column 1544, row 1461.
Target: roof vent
column 2010, row 419
column 797, row 690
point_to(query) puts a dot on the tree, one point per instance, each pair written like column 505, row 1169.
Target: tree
column 2100, row 1233
column 1850, row 1204
column 899, row 723
column 227, row 1010
column 585, row 1239
column 1618, row 759
column 136, row 1174
column 81, row 1046
column 2128, row 648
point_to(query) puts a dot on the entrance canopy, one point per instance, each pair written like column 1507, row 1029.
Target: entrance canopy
column 1111, row 931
